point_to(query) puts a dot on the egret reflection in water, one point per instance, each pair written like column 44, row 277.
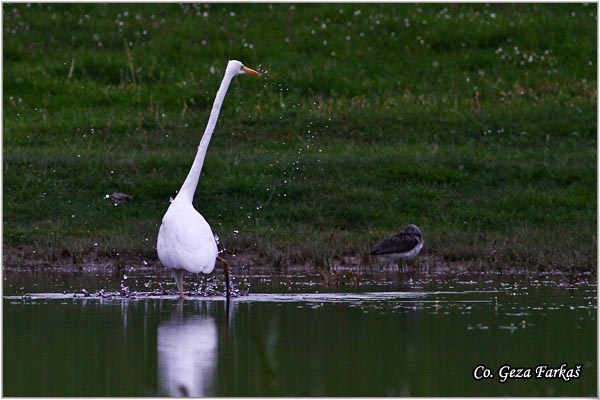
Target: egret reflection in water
column 345, row 344
column 187, row 354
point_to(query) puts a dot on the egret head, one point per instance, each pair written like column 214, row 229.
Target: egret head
column 235, row 67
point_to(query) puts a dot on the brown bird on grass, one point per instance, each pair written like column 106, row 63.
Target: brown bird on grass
column 404, row 244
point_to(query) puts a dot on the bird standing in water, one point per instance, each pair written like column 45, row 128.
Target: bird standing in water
column 404, row 244
column 185, row 240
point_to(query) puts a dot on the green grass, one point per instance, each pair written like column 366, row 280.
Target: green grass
column 476, row 122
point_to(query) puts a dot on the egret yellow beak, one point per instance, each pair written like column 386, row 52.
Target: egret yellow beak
column 250, row 71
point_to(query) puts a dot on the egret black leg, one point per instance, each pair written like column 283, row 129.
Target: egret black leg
column 225, row 266
column 178, row 275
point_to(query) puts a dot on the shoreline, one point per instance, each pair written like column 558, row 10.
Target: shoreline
column 20, row 258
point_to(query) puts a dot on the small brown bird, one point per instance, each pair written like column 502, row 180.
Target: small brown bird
column 119, row 197
column 404, row 244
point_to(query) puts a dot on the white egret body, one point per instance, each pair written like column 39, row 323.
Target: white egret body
column 185, row 240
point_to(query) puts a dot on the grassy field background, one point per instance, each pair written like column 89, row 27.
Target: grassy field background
column 475, row 122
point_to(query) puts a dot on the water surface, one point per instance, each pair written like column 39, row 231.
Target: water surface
column 283, row 335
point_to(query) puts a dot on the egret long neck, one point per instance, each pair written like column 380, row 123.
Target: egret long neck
column 191, row 181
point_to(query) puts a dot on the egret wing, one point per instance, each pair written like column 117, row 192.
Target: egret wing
column 186, row 241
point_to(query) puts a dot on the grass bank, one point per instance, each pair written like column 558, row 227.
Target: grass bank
column 475, row 122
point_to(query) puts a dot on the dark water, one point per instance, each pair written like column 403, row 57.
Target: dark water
column 289, row 335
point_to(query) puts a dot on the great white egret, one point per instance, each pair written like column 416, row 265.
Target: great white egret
column 185, row 240
column 404, row 244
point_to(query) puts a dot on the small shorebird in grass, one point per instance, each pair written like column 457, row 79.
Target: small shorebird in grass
column 401, row 245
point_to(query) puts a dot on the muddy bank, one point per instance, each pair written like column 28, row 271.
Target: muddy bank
column 340, row 267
